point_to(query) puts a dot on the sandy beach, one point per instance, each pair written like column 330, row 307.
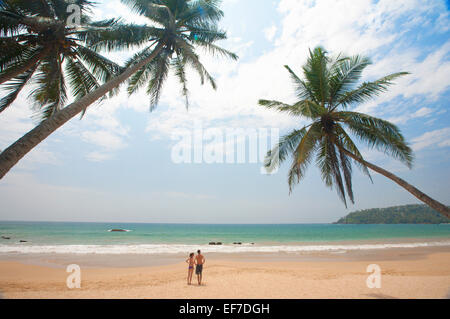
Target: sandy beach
column 406, row 273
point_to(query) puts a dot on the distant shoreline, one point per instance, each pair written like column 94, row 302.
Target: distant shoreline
column 395, row 215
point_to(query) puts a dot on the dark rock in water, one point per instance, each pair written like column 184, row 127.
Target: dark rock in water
column 23, row 241
column 118, row 230
column 212, row 243
column 218, row 243
column 237, row 243
column 5, row 237
column 253, row 243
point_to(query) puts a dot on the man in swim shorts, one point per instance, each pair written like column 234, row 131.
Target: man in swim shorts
column 199, row 261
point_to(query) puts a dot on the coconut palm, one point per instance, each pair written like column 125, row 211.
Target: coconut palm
column 328, row 89
column 39, row 46
column 177, row 28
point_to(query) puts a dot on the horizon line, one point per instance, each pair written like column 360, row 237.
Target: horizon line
column 164, row 223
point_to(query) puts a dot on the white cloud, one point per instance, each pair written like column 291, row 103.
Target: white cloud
column 98, row 156
column 101, row 126
column 436, row 138
column 270, row 32
column 422, row 112
column 104, row 139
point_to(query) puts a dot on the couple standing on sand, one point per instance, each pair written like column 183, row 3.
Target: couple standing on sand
column 198, row 262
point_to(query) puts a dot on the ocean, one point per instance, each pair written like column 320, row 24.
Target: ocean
column 96, row 238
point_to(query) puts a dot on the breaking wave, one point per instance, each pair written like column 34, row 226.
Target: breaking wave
column 150, row 249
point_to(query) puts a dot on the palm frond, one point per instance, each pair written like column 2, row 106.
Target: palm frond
column 303, row 89
column 140, row 78
column 103, row 68
column 14, row 87
column 345, row 74
column 283, row 149
column 179, row 65
column 204, row 31
column 50, row 94
column 159, row 74
column 317, row 74
column 12, row 53
column 155, row 10
column 368, row 90
column 323, row 161
column 82, row 81
column 215, row 50
column 112, row 35
column 26, row 7
column 202, row 11
column 277, row 105
column 9, row 25
column 346, row 166
column 303, row 154
column 344, row 141
column 330, row 167
column 190, row 57
column 304, row 108
column 379, row 134
column 14, row 65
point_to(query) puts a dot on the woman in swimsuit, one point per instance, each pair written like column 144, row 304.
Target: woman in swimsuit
column 191, row 263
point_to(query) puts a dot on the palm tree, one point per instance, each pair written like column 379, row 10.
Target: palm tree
column 328, row 90
column 38, row 46
column 178, row 28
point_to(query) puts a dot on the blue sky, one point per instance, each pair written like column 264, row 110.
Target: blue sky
column 115, row 164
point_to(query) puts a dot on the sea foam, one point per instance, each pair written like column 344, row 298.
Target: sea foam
column 147, row 249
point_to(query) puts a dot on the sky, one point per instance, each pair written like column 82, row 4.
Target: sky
column 116, row 164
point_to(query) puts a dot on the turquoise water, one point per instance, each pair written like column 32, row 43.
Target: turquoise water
column 44, row 233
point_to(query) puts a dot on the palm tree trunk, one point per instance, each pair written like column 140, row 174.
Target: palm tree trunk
column 10, row 156
column 441, row 208
column 6, row 76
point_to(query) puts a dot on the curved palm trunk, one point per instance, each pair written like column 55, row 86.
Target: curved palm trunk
column 10, row 156
column 6, row 76
column 441, row 208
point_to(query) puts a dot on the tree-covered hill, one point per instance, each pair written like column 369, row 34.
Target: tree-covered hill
column 407, row 214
